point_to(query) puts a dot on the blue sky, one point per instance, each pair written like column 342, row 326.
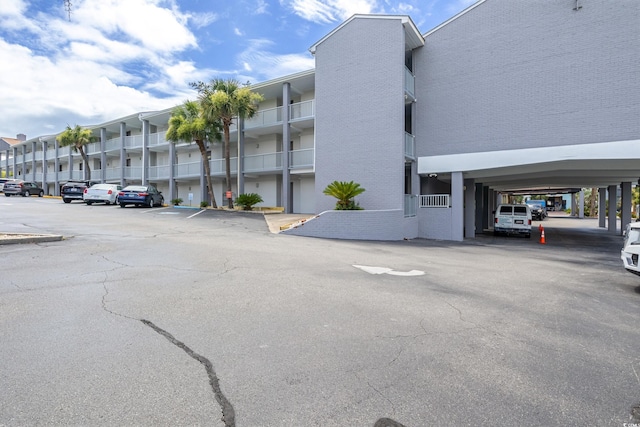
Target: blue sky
column 112, row 58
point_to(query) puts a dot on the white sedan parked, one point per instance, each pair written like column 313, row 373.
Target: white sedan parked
column 631, row 250
column 102, row 193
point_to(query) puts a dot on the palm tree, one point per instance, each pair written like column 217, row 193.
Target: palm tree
column 77, row 138
column 345, row 192
column 187, row 124
column 224, row 101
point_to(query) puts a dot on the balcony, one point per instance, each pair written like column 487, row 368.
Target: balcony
column 217, row 166
column 64, row 151
column 263, row 163
column 112, row 144
column 112, row 174
column 410, row 205
column 409, row 146
column 409, row 85
column 159, row 172
column 133, row 172
column 302, row 159
column 187, row 170
column 265, row 118
column 134, row 141
column 156, row 139
column 302, row 110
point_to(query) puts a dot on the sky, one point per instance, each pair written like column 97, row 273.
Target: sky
column 103, row 59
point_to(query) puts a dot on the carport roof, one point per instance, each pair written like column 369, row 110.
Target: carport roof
column 581, row 166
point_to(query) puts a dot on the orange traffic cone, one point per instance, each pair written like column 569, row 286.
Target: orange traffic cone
column 540, row 228
column 543, row 241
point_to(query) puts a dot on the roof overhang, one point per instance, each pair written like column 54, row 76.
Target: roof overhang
column 581, row 166
column 413, row 38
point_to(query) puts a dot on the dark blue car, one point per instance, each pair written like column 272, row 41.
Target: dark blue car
column 140, row 195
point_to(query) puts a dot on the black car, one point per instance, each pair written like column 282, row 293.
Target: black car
column 18, row 187
column 140, row 195
column 73, row 190
column 538, row 209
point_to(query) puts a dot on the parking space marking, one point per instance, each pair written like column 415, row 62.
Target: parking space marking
column 197, row 213
column 385, row 270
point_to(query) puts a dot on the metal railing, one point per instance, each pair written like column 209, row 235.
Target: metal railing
column 185, row 170
column 301, row 158
column 435, row 201
column 302, row 110
column 409, row 146
column 217, row 166
column 134, row 141
column 263, row 162
column 159, row 172
column 267, row 117
column 409, row 82
column 410, row 205
column 133, row 172
column 112, row 144
column 158, row 138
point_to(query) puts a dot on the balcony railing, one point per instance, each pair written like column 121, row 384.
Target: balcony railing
column 112, row 173
column 410, row 205
column 268, row 117
column 301, row 158
column 302, row 110
column 409, row 146
column 263, row 162
column 156, row 139
column 64, row 151
column 39, row 155
column 112, row 144
column 133, row 172
column 159, row 172
column 28, row 157
column 434, row 201
column 409, row 82
column 185, row 170
column 217, row 166
column 134, row 141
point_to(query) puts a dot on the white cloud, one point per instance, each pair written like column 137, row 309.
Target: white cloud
column 327, row 11
column 261, row 7
column 237, row 32
column 267, row 65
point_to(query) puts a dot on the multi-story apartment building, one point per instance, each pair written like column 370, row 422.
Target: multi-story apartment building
column 506, row 95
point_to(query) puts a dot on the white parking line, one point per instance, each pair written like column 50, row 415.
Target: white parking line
column 197, row 213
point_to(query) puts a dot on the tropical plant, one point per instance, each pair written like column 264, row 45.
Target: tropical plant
column 203, row 204
column 222, row 102
column 188, row 124
column 177, row 201
column 248, row 200
column 345, row 192
column 77, row 138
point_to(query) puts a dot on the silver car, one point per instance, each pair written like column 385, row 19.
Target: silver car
column 102, row 193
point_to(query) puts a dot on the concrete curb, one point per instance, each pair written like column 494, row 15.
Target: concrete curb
column 14, row 238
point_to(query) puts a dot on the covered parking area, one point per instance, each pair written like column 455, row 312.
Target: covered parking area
column 478, row 180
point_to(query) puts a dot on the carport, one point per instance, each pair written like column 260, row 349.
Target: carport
column 478, row 180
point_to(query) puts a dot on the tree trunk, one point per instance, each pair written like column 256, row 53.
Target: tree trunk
column 87, row 168
column 592, row 203
column 207, row 172
column 227, row 160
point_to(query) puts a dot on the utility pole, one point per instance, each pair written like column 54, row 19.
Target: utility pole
column 67, row 7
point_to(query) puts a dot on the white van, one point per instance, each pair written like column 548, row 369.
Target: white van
column 513, row 219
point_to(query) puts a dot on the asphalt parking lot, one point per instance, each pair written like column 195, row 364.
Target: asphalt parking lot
column 179, row 317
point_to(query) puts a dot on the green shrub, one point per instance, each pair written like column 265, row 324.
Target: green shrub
column 204, row 204
column 345, row 192
column 176, row 201
column 248, row 200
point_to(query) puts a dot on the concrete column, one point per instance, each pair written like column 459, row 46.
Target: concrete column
column 469, row 208
column 123, row 153
column 172, row 181
column 581, row 205
column 33, row 160
column 23, row 172
column 44, row 167
column 480, row 208
column 574, row 207
column 602, row 207
column 286, row 137
column 457, row 206
column 625, row 206
column 145, row 152
column 103, row 154
column 240, row 156
column 15, row 163
column 56, row 166
column 612, row 208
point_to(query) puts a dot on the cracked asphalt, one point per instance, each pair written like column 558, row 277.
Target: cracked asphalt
column 149, row 317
